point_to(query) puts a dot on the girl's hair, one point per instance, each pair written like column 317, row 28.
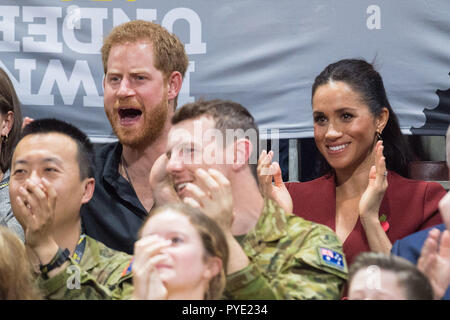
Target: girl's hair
column 16, row 277
column 367, row 82
column 213, row 240
column 9, row 102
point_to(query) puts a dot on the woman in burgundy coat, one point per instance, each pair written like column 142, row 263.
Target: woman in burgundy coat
column 363, row 195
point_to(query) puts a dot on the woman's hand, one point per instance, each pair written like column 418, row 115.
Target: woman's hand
column 268, row 171
column 26, row 121
column 146, row 280
column 370, row 202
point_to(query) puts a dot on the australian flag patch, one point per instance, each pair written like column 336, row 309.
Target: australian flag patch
column 332, row 259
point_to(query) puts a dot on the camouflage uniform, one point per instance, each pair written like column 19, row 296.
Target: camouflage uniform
column 290, row 258
column 102, row 273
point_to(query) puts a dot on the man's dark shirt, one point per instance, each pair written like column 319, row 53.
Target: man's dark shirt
column 114, row 215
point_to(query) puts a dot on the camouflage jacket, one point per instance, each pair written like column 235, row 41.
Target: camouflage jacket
column 290, row 258
column 102, row 273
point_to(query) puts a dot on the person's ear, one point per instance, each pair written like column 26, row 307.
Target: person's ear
column 382, row 120
column 242, row 150
column 174, row 83
column 88, row 192
column 213, row 267
column 7, row 124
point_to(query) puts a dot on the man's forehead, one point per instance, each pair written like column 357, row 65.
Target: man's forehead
column 191, row 130
column 43, row 136
column 203, row 122
column 52, row 142
column 118, row 50
column 140, row 43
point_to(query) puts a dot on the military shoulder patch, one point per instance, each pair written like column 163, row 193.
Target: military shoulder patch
column 331, row 259
column 127, row 269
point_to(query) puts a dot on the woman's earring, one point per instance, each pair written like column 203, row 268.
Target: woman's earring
column 5, row 138
column 379, row 136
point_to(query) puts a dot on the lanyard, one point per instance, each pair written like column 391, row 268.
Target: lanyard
column 79, row 250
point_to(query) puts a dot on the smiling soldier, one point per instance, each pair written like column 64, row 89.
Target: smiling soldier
column 272, row 254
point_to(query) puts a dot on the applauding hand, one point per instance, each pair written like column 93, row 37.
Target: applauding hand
column 268, row 171
column 370, row 202
column 434, row 261
column 213, row 196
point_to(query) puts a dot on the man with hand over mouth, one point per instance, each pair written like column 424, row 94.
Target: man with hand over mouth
column 51, row 177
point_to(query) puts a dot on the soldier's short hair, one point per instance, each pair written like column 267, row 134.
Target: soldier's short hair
column 227, row 115
column 85, row 149
column 415, row 283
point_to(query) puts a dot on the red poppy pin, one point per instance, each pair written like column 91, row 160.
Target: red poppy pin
column 384, row 222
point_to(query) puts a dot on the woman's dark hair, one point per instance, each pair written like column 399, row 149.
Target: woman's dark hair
column 9, row 102
column 416, row 284
column 365, row 80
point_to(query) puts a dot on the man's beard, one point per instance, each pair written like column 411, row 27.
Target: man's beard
column 153, row 126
